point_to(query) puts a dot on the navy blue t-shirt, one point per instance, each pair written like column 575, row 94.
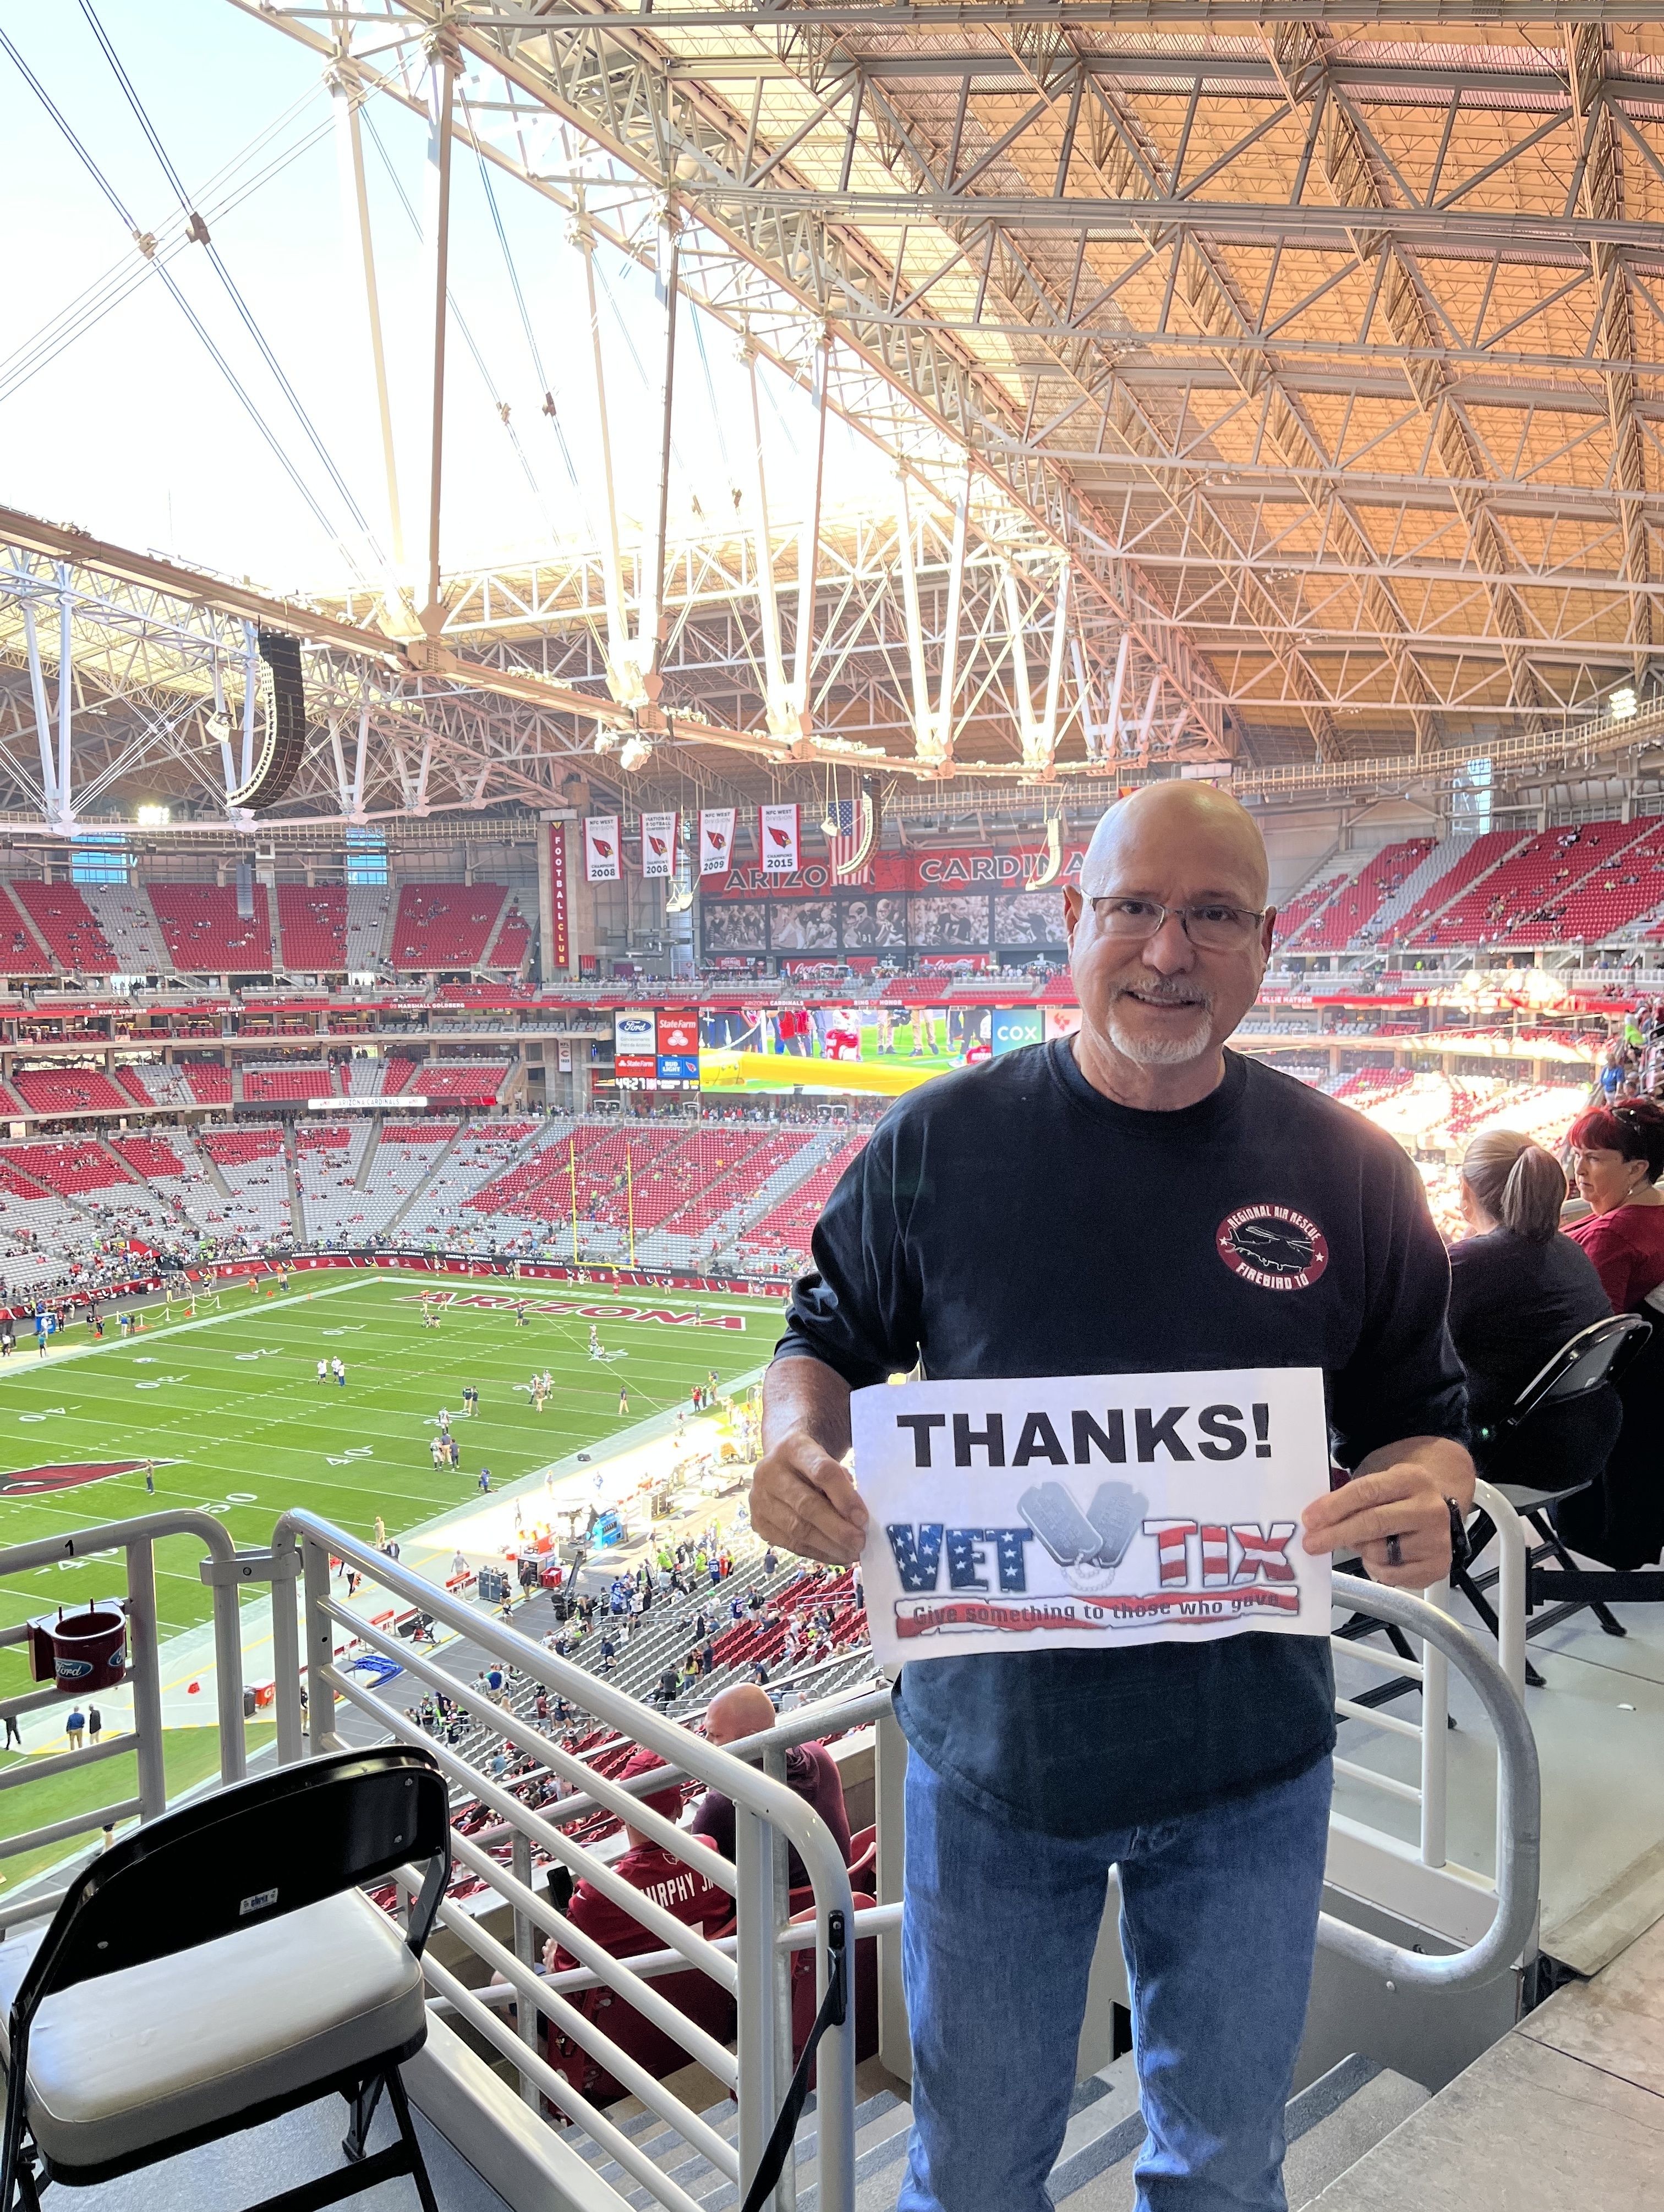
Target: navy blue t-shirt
column 1010, row 1221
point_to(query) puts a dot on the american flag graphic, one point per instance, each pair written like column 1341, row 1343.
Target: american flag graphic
column 854, row 834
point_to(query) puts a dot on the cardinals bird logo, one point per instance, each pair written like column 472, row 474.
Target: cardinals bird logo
column 31, row 1481
column 659, row 846
column 603, row 850
column 717, row 841
column 781, row 838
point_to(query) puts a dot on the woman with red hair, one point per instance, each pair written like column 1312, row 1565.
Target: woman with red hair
column 1617, row 1156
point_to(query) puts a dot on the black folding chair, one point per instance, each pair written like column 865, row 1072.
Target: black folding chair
column 221, row 1966
column 1517, row 1457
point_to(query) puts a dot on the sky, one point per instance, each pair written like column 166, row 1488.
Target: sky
column 130, row 431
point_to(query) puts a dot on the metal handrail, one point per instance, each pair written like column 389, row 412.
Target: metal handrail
column 767, row 1812
column 1518, row 1811
column 138, row 1538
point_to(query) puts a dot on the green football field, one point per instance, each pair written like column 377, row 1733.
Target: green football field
column 230, row 1408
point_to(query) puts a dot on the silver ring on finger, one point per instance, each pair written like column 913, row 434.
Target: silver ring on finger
column 1395, row 1551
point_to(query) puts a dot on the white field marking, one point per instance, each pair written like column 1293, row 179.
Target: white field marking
column 118, row 1345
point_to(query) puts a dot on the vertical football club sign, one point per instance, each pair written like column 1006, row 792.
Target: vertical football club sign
column 658, row 846
column 635, row 1048
column 600, row 848
column 1090, row 1512
column 776, row 834
column 560, row 950
column 716, row 840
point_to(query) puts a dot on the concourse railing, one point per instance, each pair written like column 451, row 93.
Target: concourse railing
column 754, row 1969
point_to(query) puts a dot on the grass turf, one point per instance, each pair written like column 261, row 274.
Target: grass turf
column 191, row 1755
column 234, row 1403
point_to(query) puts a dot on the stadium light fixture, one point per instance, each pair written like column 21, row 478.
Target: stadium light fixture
column 154, row 817
column 1623, row 703
column 634, row 752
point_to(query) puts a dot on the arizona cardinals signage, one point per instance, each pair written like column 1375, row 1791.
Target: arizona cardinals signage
column 600, row 848
column 658, row 845
column 777, row 831
column 1090, row 1511
column 69, row 1475
column 716, row 840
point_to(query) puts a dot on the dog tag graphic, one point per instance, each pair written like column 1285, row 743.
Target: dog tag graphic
column 1116, row 1513
column 1059, row 1524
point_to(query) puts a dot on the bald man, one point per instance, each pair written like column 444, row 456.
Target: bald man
column 1136, row 1200
column 811, row 1770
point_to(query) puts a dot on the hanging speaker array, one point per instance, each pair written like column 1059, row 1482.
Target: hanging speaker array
column 283, row 747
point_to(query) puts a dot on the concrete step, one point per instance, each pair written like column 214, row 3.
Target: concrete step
column 1329, row 2126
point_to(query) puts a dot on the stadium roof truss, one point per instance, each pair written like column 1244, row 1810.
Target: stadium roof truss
column 1264, row 382
column 1326, row 352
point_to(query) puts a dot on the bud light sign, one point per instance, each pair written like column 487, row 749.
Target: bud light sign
column 1090, row 1511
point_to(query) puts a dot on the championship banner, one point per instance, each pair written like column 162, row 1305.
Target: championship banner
column 658, row 845
column 716, row 840
column 1090, row 1512
column 777, row 836
column 600, row 848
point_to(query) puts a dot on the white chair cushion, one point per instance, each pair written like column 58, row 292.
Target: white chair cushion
column 136, row 2058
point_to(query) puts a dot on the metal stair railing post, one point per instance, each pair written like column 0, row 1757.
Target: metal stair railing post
column 766, row 1800
column 1519, row 1810
column 138, row 1538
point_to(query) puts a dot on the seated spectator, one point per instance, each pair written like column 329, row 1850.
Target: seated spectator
column 1519, row 1289
column 811, row 1771
column 678, row 1889
column 1617, row 1156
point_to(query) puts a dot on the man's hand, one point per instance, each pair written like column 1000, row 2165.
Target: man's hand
column 1400, row 1490
column 801, row 1495
column 804, row 1499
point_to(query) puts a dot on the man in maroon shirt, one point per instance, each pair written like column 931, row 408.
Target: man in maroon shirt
column 678, row 1889
column 811, row 1770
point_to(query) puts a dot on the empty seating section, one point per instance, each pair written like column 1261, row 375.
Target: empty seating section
column 732, row 1175
column 209, row 1082
column 327, row 1160
column 369, row 907
column 785, row 1229
column 134, row 1085
column 69, row 927
column 164, row 1085
column 149, row 1157
column 129, row 921
column 481, row 1155
column 1348, row 914
column 1614, row 893
column 1297, row 911
column 252, row 1166
column 311, row 928
column 70, row 1091
column 444, row 925
column 464, row 1082
column 398, row 1078
column 513, row 942
column 1529, row 884
column 360, row 1078
column 205, row 934
column 68, row 1168
column 402, row 1162
column 21, row 952
column 1482, row 856
column 266, row 1086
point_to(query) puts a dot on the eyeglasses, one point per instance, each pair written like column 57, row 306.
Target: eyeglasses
column 1212, row 926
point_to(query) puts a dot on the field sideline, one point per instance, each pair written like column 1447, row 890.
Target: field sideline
column 232, row 1401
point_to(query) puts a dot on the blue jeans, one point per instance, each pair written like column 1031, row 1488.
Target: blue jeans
column 1218, row 1925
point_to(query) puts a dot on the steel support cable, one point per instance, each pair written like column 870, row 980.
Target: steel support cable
column 282, row 458
column 119, row 282
column 498, row 403
column 199, row 231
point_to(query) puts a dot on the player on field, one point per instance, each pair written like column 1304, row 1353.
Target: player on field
column 338, row 1367
column 323, row 1371
column 624, row 1397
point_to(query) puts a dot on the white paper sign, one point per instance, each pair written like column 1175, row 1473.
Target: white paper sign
column 716, row 840
column 658, row 846
column 1090, row 1511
